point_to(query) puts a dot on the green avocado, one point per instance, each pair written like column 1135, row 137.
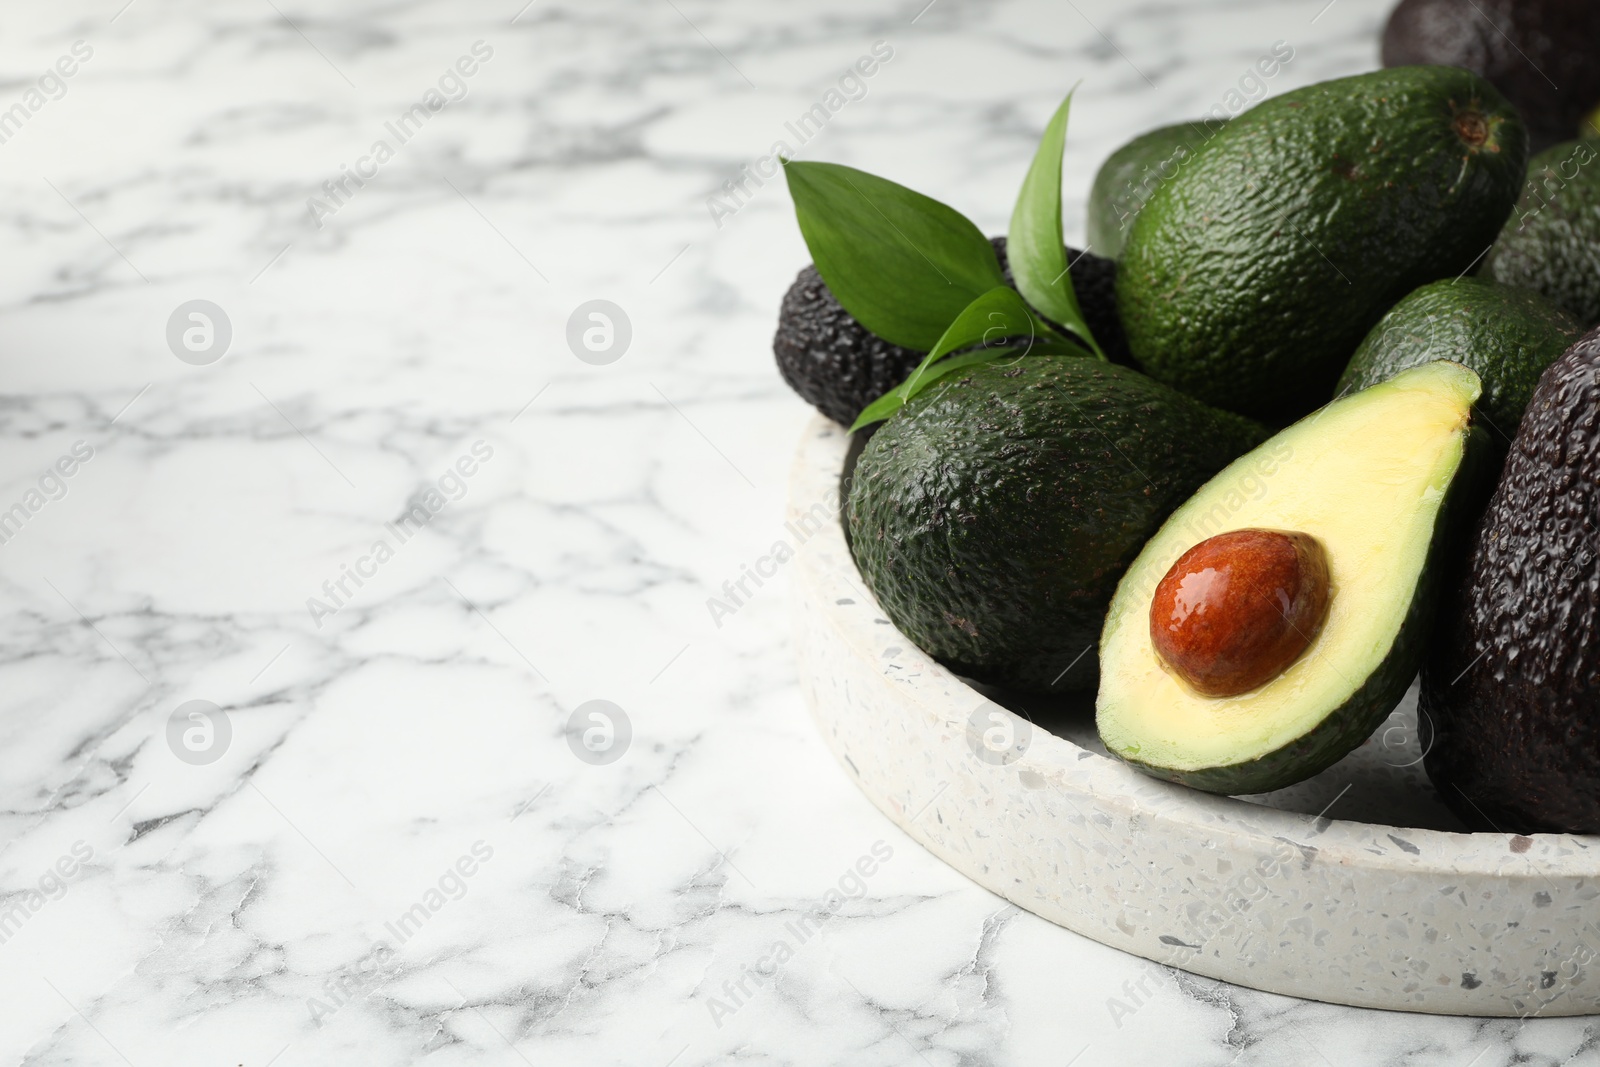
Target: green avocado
column 1552, row 243
column 1250, row 277
column 1129, row 176
column 1511, row 690
column 1507, row 336
column 1375, row 479
column 993, row 514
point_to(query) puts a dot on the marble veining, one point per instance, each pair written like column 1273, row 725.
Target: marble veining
column 298, row 893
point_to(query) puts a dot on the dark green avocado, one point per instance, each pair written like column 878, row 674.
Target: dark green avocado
column 1540, row 53
column 839, row 367
column 993, row 514
column 1507, row 336
column 1251, row 276
column 1552, row 243
column 1131, row 174
column 1512, row 687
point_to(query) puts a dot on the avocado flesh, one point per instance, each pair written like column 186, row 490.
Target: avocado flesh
column 1371, row 477
column 1506, row 336
column 1130, row 176
column 1549, row 244
column 993, row 514
column 1512, row 685
column 1251, row 276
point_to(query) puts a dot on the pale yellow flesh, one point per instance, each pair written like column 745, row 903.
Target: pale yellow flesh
column 1366, row 476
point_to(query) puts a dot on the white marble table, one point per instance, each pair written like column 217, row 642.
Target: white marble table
column 383, row 850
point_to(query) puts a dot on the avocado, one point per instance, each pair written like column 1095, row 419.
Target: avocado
column 1550, row 243
column 1512, row 686
column 1507, row 336
column 1539, row 53
column 839, row 366
column 1128, row 177
column 1094, row 283
column 834, row 363
column 1375, row 481
column 1252, row 275
column 993, row 514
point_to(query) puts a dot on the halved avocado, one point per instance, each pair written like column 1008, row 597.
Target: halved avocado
column 1378, row 479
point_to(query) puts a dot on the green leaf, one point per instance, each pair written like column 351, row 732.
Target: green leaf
column 995, row 317
column 893, row 401
column 902, row 263
column 1035, row 246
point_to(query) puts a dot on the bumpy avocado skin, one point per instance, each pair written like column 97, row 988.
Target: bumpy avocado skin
column 1512, row 686
column 1552, row 243
column 1094, row 283
column 1130, row 175
column 1383, row 684
column 1508, row 336
column 836, row 364
column 1250, row 277
column 993, row 515
column 1540, row 53
column 839, row 367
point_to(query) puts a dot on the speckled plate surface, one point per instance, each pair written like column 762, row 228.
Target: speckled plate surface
column 1281, row 892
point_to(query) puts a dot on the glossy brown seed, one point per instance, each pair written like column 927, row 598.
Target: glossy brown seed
column 1237, row 609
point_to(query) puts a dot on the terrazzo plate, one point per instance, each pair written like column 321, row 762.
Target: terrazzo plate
column 1286, row 892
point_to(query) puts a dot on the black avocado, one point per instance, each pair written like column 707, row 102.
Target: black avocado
column 1511, row 692
column 839, row 367
column 1539, row 53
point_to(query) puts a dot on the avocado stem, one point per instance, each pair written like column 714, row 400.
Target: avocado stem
column 1472, row 128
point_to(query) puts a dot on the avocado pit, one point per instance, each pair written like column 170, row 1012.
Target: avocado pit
column 1236, row 610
